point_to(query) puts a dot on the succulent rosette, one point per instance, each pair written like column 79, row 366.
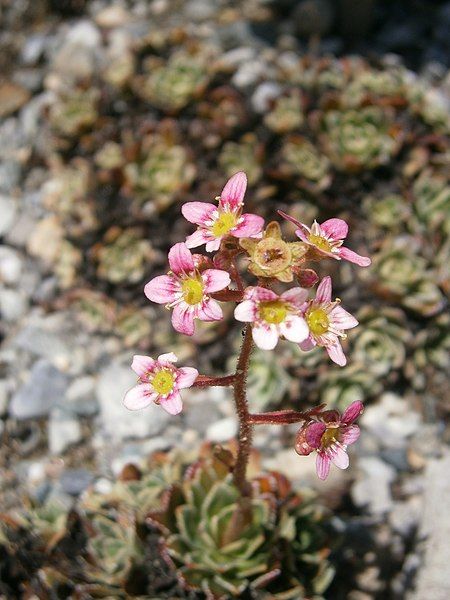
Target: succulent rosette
column 327, row 239
column 327, row 321
column 187, row 290
column 159, row 382
column 273, row 316
column 329, row 436
column 226, row 219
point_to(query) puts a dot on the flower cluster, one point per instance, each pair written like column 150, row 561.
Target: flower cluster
column 196, row 284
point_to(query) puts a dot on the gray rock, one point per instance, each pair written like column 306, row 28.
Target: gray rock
column 80, row 398
column 64, row 430
column 33, row 48
column 44, row 388
column 8, row 211
column 200, row 10
column 75, row 58
column 13, row 304
column 4, row 395
column 433, row 580
column 391, row 420
column 405, row 516
column 373, row 487
column 202, row 415
column 222, row 430
column 10, row 172
column 119, row 423
column 75, row 481
column 10, row 266
column 56, row 338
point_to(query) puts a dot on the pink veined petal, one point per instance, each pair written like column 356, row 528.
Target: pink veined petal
column 350, row 434
column 302, row 230
column 183, row 319
column 291, row 219
column 199, row 237
column 342, row 319
column 168, row 357
column 161, row 289
column 352, row 412
column 259, row 294
column 295, row 329
column 245, row 311
column 308, row 344
column 234, row 190
column 139, row 397
column 265, row 338
column 250, row 226
column 197, row 212
column 186, row 377
column 323, row 464
column 210, row 311
column 215, row 280
column 324, row 289
column 314, row 433
column 213, row 245
column 336, row 354
column 347, row 254
column 142, row 365
column 295, row 296
column 172, row 404
column 180, row 259
column 336, row 229
column 339, row 457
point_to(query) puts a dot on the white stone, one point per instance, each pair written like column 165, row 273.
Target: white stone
column 391, row 420
column 433, row 580
column 10, row 266
column 222, row 430
column 264, row 94
column 373, row 488
column 8, row 210
column 63, row 431
column 13, row 305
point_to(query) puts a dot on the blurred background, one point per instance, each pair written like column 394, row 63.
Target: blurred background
column 112, row 114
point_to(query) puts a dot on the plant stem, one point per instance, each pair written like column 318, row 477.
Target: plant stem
column 240, row 399
column 279, row 417
column 206, row 381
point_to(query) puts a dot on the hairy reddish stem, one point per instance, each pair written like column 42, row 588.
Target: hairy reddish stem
column 278, row 417
column 245, row 426
column 206, row 381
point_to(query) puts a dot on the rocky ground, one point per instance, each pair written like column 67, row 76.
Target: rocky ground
column 63, row 426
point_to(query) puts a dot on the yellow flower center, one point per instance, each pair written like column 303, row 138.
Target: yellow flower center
column 273, row 312
column 223, row 224
column 329, row 437
column 273, row 255
column 320, row 242
column 192, row 289
column 317, row 320
column 163, row 382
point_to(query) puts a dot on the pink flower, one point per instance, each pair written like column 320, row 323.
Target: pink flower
column 329, row 437
column 216, row 222
column 327, row 239
column 273, row 316
column 327, row 322
column 159, row 382
column 186, row 290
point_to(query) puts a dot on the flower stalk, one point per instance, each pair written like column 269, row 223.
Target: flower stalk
column 245, row 426
column 196, row 284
